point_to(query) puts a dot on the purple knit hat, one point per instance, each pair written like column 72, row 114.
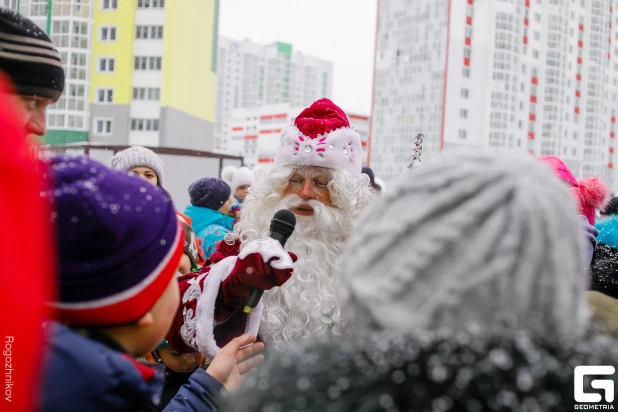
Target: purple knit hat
column 209, row 192
column 119, row 242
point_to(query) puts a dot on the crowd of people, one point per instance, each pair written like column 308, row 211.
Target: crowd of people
column 480, row 280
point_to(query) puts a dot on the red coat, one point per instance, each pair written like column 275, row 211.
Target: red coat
column 27, row 259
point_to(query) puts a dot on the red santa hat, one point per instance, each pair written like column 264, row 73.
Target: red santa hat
column 321, row 136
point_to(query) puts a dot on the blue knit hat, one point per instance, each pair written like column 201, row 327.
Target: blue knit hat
column 119, row 242
column 209, row 192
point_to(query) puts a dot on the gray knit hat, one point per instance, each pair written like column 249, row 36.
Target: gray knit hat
column 138, row 156
column 209, row 192
column 484, row 239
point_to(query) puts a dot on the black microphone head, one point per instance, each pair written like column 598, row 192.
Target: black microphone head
column 283, row 222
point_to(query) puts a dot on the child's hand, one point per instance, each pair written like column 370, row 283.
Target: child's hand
column 229, row 366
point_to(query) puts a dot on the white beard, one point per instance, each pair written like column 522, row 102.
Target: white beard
column 306, row 305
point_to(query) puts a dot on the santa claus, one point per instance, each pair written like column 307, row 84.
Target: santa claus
column 317, row 175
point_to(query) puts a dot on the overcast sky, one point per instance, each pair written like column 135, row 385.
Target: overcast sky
column 342, row 31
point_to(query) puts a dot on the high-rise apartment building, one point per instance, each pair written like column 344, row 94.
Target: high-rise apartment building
column 254, row 133
column 135, row 73
column 153, row 82
column 537, row 75
column 251, row 75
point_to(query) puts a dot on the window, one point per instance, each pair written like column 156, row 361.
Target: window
column 103, row 127
column 105, row 95
column 109, row 4
column 463, row 113
column 465, row 72
column 535, row 54
column 467, row 52
column 146, row 93
column 148, row 125
column 147, row 63
column 462, row 134
column 537, row 17
column 107, row 33
column 149, row 32
column 465, row 93
column 152, row 4
column 106, row 65
column 537, row 35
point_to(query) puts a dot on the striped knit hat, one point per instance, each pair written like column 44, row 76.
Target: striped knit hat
column 478, row 238
column 119, row 243
column 28, row 57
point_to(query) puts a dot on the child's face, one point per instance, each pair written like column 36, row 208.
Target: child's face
column 242, row 192
column 163, row 313
column 227, row 206
column 147, row 174
column 185, row 265
column 180, row 363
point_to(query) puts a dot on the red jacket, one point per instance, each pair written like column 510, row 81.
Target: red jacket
column 27, row 258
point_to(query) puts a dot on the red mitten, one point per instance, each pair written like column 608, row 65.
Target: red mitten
column 262, row 264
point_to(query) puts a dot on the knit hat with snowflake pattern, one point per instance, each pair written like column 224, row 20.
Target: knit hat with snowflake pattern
column 119, row 243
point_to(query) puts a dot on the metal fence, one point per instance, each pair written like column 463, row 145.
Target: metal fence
column 182, row 166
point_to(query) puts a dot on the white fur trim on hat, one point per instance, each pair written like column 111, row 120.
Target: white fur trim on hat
column 340, row 149
column 242, row 176
column 138, row 156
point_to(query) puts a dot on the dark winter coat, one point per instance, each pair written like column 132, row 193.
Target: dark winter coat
column 434, row 371
column 92, row 374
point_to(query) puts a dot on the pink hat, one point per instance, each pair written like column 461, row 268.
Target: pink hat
column 321, row 136
column 591, row 193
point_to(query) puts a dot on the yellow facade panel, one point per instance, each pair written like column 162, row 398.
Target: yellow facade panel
column 121, row 50
column 190, row 36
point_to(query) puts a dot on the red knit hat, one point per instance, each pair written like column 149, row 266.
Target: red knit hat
column 321, row 136
column 591, row 193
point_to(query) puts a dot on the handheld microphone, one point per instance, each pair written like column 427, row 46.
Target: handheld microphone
column 281, row 228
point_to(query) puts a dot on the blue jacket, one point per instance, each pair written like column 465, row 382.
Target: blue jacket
column 210, row 226
column 83, row 374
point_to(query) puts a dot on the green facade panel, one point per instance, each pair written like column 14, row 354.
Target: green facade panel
column 64, row 137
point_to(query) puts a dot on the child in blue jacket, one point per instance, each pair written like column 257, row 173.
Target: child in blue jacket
column 119, row 244
column 209, row 210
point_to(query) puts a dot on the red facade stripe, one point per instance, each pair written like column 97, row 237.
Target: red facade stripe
column 358, row 117
column 467, row 61
column 535, row 80
column 280, row 116
column 469, row 21
column 265, row 160
column 266, row 117
column 236, row 129
column 468, row 41
column 251, row 137
column 533, row 99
